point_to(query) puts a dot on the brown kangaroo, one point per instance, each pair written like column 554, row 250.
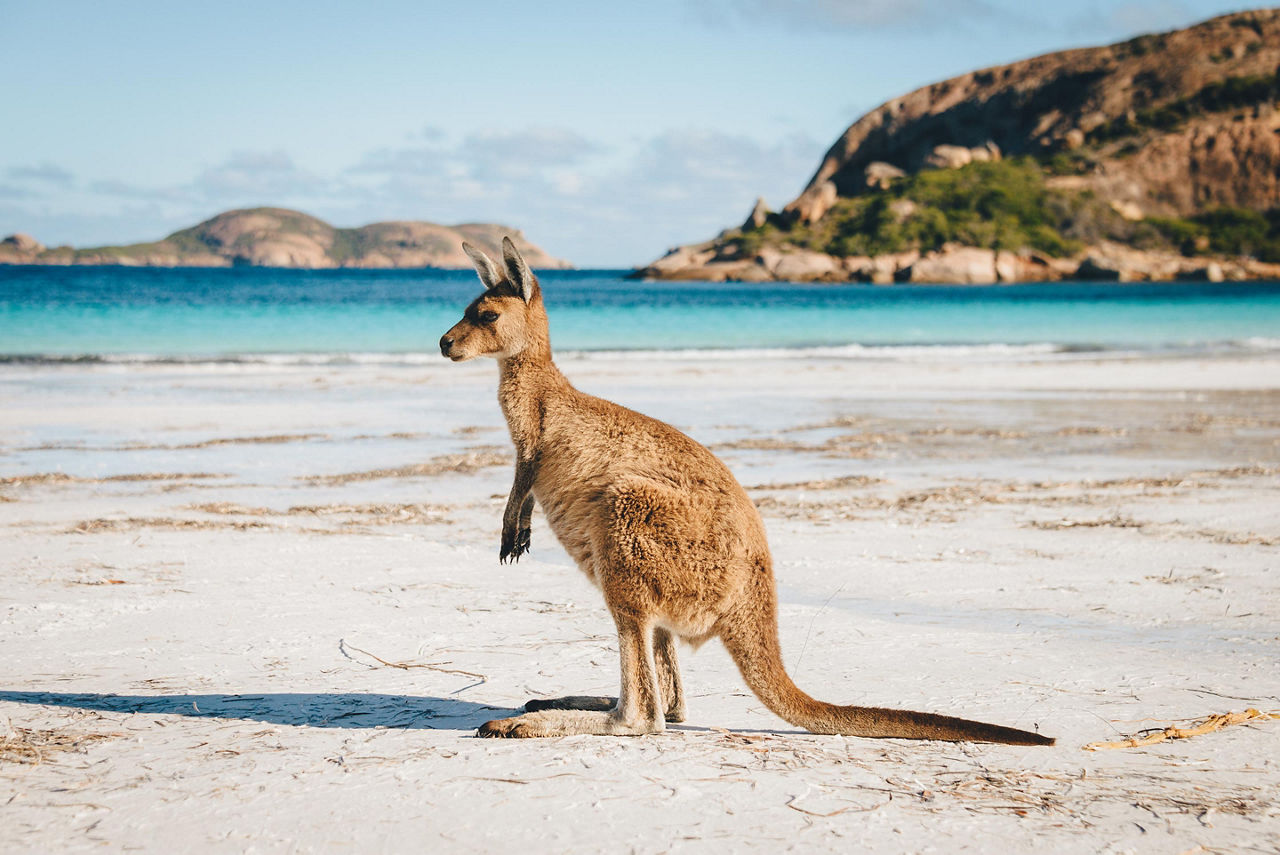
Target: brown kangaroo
column 659, row 524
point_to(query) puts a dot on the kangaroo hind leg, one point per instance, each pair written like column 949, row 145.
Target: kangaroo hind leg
column 637, row 711
column 664, row 654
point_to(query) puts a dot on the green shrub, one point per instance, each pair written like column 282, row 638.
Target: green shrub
column 1231, row 93
column 1005, row 205
column 998, row 205
column 1224, row 231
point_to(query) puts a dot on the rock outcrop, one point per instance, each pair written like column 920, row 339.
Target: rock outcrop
column 963, row 265
column 759, row 215
column 880, row 175
column 278, row 237
column 19, row 249
column 1169, row 125
column 954, row 265
column 23, row 243
column 1059, row 101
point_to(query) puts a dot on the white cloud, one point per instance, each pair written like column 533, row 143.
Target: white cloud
column 261, row 175
column 482, row 155
column 522, row 152
column 13, row 191
column 421, row 160
column 687, row 185
column 125, row 190
column 583, row 201
column 44, row 173
column 593, row 204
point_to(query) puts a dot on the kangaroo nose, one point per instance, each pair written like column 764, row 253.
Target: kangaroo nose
column 445, row 344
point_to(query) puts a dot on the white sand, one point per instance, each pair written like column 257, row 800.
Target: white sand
column 1088, row 547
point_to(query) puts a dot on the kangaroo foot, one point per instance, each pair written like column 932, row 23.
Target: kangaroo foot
column 565, row 723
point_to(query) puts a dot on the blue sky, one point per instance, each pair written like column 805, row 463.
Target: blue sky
column 607, row 132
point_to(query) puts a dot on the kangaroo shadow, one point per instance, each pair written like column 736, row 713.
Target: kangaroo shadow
column 299, row 709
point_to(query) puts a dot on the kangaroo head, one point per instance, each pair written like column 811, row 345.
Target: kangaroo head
column 507, row 319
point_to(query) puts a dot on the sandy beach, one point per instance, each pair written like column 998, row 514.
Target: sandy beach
column 258, row 608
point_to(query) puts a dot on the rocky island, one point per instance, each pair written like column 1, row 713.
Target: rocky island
column 1155, row 158
column 278, row 237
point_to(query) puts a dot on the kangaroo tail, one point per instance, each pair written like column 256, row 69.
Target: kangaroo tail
column 753, row 644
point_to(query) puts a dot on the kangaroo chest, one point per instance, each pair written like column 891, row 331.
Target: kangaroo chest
column 572, row 514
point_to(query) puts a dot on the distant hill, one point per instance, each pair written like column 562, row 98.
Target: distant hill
column 1153, row 158
column 278, row 237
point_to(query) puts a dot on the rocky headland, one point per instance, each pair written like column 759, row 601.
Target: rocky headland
column 278, row 237
column 1155, row 158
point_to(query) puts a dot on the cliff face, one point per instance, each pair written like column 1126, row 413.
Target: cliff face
column 278, row 237
column 1172, row 125
column 1106, row 101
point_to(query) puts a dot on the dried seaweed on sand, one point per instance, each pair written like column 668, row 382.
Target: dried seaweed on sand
column 63, row 478
column 465, row 463
column 24, row 745
column 373, row 513
column 1201, row 726
column 104, row 524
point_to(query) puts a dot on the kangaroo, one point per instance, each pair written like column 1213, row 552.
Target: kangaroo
column 658, row 524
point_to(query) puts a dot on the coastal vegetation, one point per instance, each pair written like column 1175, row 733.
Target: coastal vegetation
column 1225, row 231
column 1008, row 205
column 995, row 204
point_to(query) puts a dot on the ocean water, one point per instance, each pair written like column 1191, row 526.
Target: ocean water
column 127, row 314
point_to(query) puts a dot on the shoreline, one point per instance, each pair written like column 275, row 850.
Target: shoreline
column 1260, row 346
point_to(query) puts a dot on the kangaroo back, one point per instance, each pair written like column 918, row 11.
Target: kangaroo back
column 752, row 641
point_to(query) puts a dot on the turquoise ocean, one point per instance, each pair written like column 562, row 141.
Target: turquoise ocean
column 60, row 314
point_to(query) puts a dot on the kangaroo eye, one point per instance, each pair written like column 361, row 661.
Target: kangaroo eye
column 488, row 317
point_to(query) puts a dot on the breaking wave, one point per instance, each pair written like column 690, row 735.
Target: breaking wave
column 869, row 352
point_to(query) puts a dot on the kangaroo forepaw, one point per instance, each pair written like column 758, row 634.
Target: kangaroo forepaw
column 514, row 545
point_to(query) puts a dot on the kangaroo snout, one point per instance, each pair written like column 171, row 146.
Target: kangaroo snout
column 446, row 344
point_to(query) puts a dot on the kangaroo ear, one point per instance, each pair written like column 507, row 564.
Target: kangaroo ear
column 518, row 272
column 488, row 271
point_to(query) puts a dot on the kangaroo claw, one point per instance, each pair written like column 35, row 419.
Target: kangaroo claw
column 514, row 546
